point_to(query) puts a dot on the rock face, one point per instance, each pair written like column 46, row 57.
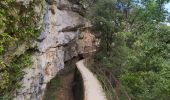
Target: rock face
column 64, row 35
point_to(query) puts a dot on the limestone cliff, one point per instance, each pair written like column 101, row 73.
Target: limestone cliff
column 65, row 34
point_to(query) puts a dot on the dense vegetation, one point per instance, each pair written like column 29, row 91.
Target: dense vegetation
column 19, row 26
column 133, row 60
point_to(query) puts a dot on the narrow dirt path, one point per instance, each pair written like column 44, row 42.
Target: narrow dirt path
column 65, row 92
column 93, row 89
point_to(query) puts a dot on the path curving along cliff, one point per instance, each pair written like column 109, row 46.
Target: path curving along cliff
column 92, row 87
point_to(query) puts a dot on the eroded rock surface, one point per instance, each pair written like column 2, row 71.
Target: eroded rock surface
column 64, row 35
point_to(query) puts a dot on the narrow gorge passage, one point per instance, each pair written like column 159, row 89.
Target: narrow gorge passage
column 61, row 87
column 65, row 92
column 67, row 84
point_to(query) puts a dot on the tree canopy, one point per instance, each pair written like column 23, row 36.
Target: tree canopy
column 135, row 45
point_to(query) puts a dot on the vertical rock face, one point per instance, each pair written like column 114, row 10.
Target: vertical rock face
column 64, row 35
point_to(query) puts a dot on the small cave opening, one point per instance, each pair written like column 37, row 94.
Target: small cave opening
column 80, row 56
column 67, row 84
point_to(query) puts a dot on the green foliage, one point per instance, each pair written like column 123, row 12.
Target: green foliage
column 134, row 46
column 103, row 17
column 86, row 3
column 108, row 24
column 12, row 74
column 114, row 59
column 148, row 55
column 5, row 40
column 18, row 25
column 148, row 59
column 55, row 82
column 147, row 85
column 18, row 20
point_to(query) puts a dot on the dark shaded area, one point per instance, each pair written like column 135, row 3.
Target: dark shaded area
column 53, row 86
column 50, row 2
column 68, row 83
column 80, row 56
column 78, row 88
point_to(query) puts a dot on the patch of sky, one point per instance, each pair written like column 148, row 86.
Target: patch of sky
column 167, row 6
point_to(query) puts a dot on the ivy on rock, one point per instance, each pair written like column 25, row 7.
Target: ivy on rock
column 19, row 24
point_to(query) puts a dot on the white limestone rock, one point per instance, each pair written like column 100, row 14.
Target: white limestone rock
column 55, row 47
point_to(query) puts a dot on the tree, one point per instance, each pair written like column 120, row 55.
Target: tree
column 146, row 70
column 144, row 45
column 148, row 58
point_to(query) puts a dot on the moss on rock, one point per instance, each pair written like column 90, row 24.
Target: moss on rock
column 19, row 23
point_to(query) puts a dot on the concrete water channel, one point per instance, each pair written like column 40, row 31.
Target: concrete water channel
column 75, row 83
